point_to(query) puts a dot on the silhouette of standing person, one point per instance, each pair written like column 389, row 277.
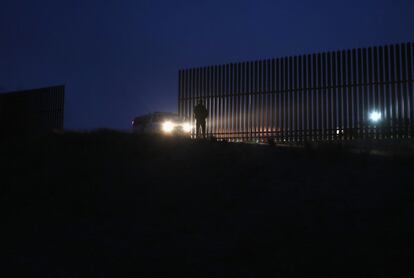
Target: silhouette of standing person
column 200, row 114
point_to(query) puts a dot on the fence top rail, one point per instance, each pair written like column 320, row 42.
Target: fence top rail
column 308, row 56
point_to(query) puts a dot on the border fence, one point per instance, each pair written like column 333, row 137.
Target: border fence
column 32, row 111
column 364, row 93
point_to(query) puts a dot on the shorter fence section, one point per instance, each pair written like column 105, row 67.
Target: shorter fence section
column 32, row 111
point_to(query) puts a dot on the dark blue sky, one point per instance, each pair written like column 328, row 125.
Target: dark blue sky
column 120, row 58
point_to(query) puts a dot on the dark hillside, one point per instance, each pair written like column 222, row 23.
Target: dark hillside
column 112, row 204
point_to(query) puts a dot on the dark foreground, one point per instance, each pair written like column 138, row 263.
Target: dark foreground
column 117, row 205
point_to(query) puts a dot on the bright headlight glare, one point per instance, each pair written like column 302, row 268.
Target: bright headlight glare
column 375, row 116
column 168, row 126
column 187, row 127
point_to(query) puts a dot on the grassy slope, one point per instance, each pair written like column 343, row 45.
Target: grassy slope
column 105, row 203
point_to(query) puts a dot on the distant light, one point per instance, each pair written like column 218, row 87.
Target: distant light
column 375, row 116
column 168, row 127
column 187, row 127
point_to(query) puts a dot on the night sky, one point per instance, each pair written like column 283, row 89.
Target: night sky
column 119, row 59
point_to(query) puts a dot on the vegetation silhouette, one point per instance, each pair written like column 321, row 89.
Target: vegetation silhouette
column 107, row 203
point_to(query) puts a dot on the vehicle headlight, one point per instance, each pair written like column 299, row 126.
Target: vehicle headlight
column 187, row 127
column 168, row 126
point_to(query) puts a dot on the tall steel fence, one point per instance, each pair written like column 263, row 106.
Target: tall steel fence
column 342, row 95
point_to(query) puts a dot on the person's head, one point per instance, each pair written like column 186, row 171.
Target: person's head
column 200, row 101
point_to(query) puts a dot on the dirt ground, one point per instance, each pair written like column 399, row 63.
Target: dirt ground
column 106, row 204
